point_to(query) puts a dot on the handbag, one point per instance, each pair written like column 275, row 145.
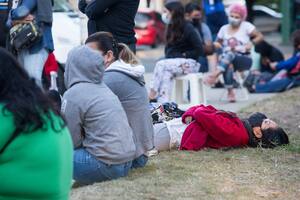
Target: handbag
column 23, row 36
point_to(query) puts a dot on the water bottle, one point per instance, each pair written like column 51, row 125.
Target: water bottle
column 53, row 76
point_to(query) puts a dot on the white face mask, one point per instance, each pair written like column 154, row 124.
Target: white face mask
column 165, row 18
column 234, row 22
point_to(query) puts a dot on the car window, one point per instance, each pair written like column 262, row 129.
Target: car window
column 61, row 6
column 141, row 20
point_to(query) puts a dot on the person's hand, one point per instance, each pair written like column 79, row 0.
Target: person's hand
column 188, row 120
column 212, row 77
column 248, row 47
column 29, row 18
column 217, row 45
column 273, row 66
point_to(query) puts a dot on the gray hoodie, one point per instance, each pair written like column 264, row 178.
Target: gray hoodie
column 94, row 115
column 127, row 82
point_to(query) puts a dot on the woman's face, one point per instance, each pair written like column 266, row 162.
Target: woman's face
column 234, row 19
column 108, row 58
column 267, row 123
column 166, row 16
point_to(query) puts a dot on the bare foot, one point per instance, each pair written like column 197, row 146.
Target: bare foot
column 211, row 78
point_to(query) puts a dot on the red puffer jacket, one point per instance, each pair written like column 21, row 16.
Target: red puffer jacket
column 212, row 128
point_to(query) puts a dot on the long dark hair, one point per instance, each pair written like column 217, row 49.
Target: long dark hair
column 176, row 28
column 22, row 97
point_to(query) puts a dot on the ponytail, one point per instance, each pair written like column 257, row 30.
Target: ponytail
column 127, row 55
column 106, row 42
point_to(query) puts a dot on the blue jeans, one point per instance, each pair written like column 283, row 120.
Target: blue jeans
column 88, row 169
column 139, row 162
column 273, row 86
column 34, row 63
column 239, row 63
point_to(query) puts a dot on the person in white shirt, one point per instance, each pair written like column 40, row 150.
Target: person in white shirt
column 235, row 40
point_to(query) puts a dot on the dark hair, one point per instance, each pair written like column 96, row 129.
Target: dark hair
column 296, row 38
column 106, row 42
column 190, row 7
column 264, row 48
column 274, row 137
column 22, row 97
column 176, row 28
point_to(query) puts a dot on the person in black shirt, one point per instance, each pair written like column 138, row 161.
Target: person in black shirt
column 182, row 50
column 269, row 54
column 114, row 16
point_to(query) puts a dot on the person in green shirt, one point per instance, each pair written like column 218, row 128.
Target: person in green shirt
column 36, row 149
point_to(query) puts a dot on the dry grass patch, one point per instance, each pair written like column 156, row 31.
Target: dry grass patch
column 217, row 174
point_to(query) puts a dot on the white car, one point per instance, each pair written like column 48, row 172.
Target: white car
column 67, row 33
column 66, row 30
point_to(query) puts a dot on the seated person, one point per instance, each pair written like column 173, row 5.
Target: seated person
column 287, row 73
column 206, row 127
column 124, row 76
column 235, row 39
column 35, row 145
column 269, row 54
column 182, row 51
column 193, row 13
column 102, row 137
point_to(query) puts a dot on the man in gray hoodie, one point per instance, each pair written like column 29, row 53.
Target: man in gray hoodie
column 102, row 137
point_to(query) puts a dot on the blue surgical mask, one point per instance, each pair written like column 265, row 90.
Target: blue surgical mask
column 165, row 18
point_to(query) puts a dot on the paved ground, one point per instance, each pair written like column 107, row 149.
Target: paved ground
column 149, row 57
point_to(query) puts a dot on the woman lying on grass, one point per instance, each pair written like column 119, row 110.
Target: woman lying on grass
column 206, row 127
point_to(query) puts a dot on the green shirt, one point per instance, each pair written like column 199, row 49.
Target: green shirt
column 35, row 165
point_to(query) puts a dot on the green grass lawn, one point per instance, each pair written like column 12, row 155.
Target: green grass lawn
column 218, row 174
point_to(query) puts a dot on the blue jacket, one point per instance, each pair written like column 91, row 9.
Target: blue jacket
column 290, row 63
column 30, row 7
column 4, row 7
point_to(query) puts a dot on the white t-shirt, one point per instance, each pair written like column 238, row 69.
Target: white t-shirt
column 239, row 39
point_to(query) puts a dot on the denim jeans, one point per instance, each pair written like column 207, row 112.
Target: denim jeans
column 139, row 162
column 88, row 169
column 34, row 63
column 239, row 63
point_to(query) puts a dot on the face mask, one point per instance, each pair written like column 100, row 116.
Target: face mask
column 234, row 22
column 196, row 21
column 165, row 18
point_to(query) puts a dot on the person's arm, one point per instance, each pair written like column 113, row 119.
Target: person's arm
column 98, row 7
column 256, row 36
column 196, row 44
column 82, row 5
column 72, row 115
column 287, row 64
column 26, row 7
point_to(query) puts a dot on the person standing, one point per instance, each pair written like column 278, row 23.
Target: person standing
column 34, row 57
column 114, row 16
column 215, row 15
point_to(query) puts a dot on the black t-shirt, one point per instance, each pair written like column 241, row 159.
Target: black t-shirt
column 189, row 46
column 115, row 16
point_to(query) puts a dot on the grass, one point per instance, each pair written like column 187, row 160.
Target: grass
column 218, row 174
